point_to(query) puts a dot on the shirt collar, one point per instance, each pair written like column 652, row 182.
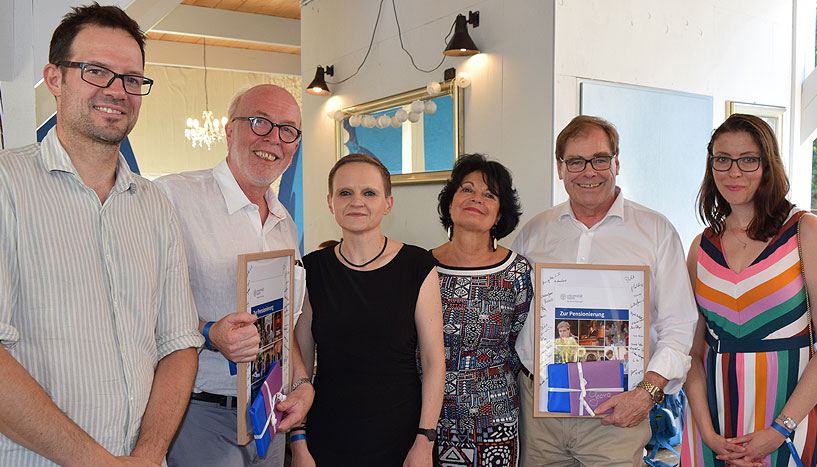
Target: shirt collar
column 234, row 197
column 56, row 158
column 615, row 211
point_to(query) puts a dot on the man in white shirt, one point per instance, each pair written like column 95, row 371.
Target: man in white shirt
column 598, row 226
column 97, row 323
column 226, row 211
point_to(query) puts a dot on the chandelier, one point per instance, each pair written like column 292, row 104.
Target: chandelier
column 207, row 133
column 210, row 130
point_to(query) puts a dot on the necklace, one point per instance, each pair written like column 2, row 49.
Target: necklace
column 385, row 242
column 734, row 234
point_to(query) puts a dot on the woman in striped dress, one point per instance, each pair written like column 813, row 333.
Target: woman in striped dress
column 751, row 372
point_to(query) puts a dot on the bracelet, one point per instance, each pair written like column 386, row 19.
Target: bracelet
column 299, row 382
column 783, row 431
column 206, row 333
column 788, row 434
column 297, row 437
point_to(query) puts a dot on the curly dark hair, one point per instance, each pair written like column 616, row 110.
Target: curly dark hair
column 771, row 205
column 499, row 181
column 96, row 15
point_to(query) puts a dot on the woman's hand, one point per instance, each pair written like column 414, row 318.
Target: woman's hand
column 420, row 454
column 723, row 449
column 757, row 446
column 300, row 454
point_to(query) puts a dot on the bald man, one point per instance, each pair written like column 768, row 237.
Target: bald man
column 226, row 211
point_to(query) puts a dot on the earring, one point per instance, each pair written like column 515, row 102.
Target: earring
column 493, row 237
column 450, row 232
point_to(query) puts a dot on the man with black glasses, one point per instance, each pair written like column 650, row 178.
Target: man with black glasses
column 599, row 226
column 226, row 211
column 97, row 321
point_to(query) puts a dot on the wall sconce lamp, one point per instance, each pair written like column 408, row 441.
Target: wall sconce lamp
column 461, row 43
column 318, row 85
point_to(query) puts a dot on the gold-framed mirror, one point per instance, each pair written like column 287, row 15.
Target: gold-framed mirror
column 414, row 152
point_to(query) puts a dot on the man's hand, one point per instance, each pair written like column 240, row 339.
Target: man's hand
column 235, row 337
column 629, row 408
column 296, row 406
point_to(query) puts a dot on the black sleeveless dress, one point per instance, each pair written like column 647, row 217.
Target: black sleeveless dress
column 367, row 390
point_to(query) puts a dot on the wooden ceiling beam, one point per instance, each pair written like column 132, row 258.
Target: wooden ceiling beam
column 222, row 58
column 231, row 25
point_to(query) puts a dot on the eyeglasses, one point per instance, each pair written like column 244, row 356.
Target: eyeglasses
column 578, row 164
column 745, row 163
column 102, row 77
column 262, row 127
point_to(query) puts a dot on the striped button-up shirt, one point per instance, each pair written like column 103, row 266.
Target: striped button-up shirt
column 92, row 295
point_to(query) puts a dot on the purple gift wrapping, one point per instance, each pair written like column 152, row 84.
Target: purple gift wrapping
column 592, row 383
column 264, row 414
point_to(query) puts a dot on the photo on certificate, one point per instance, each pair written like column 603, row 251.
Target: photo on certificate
column 265, row 289
column 592, row 335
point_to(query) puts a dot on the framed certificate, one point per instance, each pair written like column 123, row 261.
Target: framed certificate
column 265, row 289
column 591, row 325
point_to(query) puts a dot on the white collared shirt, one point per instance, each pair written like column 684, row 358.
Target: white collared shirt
column 628, row 234
column 219, row 223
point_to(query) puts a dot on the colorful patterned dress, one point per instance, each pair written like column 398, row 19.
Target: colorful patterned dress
column 757, row 320
column 483, row 311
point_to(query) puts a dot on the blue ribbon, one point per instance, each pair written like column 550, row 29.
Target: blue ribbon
column 788, row 434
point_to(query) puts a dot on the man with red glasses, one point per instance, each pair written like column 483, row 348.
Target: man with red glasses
column 97, row 322
column 225, row 211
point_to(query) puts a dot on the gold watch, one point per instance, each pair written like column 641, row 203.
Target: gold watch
column 656, row 393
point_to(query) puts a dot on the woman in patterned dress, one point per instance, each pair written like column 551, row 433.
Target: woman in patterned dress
column 486, row 291
column 750, row 357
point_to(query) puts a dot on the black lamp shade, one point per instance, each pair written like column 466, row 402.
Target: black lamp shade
column 461, row 43
column 318, row 85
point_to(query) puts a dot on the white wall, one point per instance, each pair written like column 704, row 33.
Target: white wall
column 158, row 140
column 508, row 108
column 31, row 25
column 732, row 50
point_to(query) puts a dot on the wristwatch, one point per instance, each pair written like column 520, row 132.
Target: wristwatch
column 790, row 424
column 656, row 393
column 431, row 434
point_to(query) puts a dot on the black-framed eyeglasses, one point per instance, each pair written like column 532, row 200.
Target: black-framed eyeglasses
column 578, row 164
column 745, row 163
column 263, row 126
column 102, row 77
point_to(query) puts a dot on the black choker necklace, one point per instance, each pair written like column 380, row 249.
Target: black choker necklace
column 385, row 242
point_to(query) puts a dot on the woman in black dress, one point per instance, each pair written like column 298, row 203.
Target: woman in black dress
column 373, row 301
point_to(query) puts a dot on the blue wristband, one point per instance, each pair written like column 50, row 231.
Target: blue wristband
column 206, row 333
column 297, row 437
column 788, row 434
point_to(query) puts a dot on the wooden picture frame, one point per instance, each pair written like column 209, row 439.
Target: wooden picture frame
column 413, row 155
column 771, row 114
column 604, row 297
column 265, row 288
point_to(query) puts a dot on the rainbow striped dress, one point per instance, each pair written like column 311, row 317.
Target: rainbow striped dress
column 757, row 336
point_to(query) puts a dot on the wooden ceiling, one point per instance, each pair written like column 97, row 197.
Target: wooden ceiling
column 282, row 8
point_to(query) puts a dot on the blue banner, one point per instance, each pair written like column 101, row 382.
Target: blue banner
column 268, row 307
column 592, row 313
